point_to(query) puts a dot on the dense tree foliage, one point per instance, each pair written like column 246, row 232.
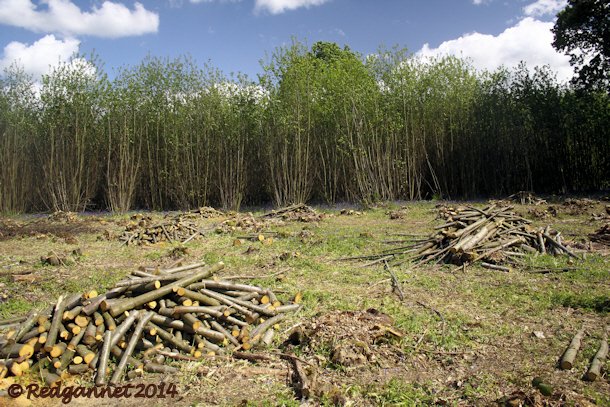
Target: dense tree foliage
column 582, row 31
column 321, row 123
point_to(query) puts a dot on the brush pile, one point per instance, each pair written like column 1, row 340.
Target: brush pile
column 177, row 314
column 579, row 206
column 173, row 229
column 295, row 213
column 526, row 198
column 492, row 235
column 61, row 216
column 542, row 213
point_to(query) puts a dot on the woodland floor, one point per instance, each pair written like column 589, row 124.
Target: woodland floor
column 471, row 337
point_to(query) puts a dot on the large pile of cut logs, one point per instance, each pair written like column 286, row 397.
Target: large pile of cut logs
column 492, row 235
column 177, row 314
column 173, row 229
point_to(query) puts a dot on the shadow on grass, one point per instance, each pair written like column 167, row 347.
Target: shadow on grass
column 597, row 303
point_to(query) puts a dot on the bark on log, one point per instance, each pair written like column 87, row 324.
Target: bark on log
column 258, row 332
column 598, row 360
column 157, row 368
column 54, row 329
column 94, row 303
column 495, row 267
column 131, row 345
column 128, row 304
column 170, row 338
column 567, row 361
column 102, row 366
column 118, row 333
column 50, row 379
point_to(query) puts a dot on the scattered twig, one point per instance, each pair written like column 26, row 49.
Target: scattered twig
column 395, row 283
column 436, row 312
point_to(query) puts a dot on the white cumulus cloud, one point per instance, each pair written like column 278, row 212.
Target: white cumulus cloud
column 544, row 8
column 280, row 6
column 529, row 41
column 40, row 57
column 212, row 1
column 110, row 20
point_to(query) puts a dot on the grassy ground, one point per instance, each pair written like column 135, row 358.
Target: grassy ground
column 471, row 337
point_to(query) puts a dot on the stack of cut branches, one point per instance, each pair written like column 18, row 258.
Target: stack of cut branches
column 174, row 229
column 177, row 314
column 526, row 198
column 297, row 212
column 242, row 222
column 492, row 235
column 207, row 212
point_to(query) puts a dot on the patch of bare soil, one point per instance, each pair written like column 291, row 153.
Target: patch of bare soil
column 579, row 206
column 47, row 227
column 532, row 354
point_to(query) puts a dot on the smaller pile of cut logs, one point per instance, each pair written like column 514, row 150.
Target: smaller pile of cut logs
column 177, row 314
column 206, row 212
column 491, row 235
column 297, row 213
column 526, row 198
column 174, row 229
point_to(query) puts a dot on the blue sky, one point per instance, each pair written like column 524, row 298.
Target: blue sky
column 235, row 34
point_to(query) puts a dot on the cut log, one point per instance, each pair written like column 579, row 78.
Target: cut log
column 131, row 303
column 78, row 369
column 118, row 333
column 54, row 328
column 495, row 267
column 143, row 319
column 567, row 361
column 50, row 379
column 17, row 350
column 157, row 368
column 100, row 376
column 598, row 360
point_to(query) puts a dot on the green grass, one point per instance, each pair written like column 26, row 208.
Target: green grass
column 15, row 307
column 597, row 303
column 399, row 393
column 486, row 345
